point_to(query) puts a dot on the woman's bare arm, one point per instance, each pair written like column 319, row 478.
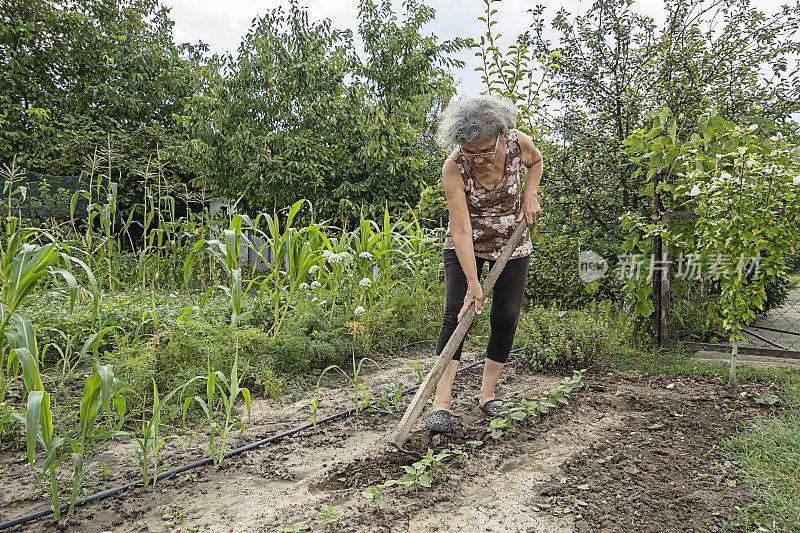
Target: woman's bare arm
column 533, row 161
column 461, row 230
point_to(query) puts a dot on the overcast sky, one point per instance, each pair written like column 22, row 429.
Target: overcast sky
column 221, row 24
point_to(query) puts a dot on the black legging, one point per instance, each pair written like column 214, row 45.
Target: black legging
column 507, row 295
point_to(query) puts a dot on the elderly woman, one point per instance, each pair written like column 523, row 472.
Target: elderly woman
column 484, row 198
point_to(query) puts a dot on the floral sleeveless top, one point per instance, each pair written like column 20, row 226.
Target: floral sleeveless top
column 492, row 211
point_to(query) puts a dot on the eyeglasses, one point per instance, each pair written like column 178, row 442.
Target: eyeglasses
column 482, row 154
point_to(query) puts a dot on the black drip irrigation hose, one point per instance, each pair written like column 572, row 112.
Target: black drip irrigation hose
column 756, row 335
column 207, row 461
column 775, row 329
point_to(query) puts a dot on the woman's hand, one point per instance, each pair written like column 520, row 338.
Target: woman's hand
column 474, row 294
column 529, row 209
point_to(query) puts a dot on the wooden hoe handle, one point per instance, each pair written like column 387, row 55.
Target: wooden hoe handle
column 418, row 402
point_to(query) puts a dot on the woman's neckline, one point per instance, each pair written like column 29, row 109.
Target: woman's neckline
column 502, row 179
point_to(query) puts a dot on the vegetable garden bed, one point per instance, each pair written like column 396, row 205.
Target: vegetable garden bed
column 624, row 454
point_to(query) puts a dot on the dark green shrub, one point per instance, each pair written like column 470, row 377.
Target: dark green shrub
column 553, row 274
column 570, row 340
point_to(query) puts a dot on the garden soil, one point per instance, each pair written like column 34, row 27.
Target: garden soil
column 626, row 454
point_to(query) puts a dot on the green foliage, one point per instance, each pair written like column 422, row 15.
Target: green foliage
column 349, row 131
column 528, row 412
column 739, row 181
column 552, row 276
column 511, row 72
column 113, row 68
column 578, row 339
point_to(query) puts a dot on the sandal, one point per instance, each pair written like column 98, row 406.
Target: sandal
column 494, row 408
column 439, row 421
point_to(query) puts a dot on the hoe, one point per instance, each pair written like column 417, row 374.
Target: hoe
column 414, row 409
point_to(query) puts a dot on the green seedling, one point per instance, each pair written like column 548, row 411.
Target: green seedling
column 377, row 494
column 313, row 406
column 149, row 441
column 417, row 369
column 417, row 475
column 294, row 529
column 435, row 462
column 389, row 398
column 330, row 516
column 498, row 426
column 229, row 390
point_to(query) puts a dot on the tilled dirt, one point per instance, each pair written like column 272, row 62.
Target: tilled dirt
column 626, row 454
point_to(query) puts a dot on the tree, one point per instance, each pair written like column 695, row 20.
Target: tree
column 77, row 72
column 298, row 114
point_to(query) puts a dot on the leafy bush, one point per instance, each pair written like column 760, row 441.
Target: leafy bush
column 553, row 274
column 576, row 340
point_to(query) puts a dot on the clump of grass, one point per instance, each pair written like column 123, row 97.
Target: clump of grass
column 769, row 456
column 679, row 363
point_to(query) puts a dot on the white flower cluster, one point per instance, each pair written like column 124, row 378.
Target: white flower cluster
column 358, row 311
column 303, row 286
column 316, row 285
column 345, row 258
column 365, row 255
column 777, row 137
column 313, row 269
column 365, row 282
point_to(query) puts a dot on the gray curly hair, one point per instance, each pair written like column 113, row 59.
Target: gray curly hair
column 469, row 118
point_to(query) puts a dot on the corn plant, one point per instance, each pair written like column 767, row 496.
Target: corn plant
column 229, row 390
column 294, row 251
column 361, row 397
column 22, row 266
column 226, row 254
column 97, row 393
column 313, row 406
column 38, row 421
column 148, row 440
